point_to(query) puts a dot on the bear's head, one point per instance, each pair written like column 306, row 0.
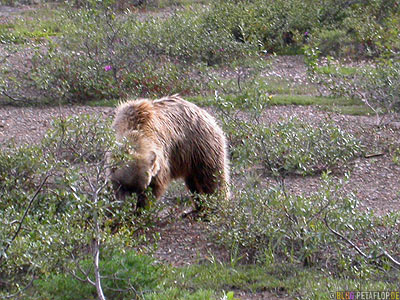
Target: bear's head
column 134, row 176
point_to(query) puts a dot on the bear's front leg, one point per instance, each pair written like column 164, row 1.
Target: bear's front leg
column 158, row 189
column 142, row 201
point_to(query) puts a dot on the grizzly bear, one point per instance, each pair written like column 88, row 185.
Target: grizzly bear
column 169, row 138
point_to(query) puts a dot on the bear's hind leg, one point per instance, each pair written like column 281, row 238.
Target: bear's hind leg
column 199, row 185
column 194, row 189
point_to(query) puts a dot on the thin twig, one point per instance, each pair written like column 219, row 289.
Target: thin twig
column 12, row 296
column 384, row 252
column 85, row 273
column 14, row 99
column 81, row 279
column 319, row 212
column 3, row 253
column 345, row 239
column 388, row 256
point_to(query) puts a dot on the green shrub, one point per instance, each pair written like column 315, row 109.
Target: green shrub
column 126, row 276
column 174, row 293
column 334, row 42
column 369, row 29
column 288, row 147
column 294, row 146
column 270, row 225
column 375, row 83
column 56, row 201
column 105, row 54
column 125, row 57
column 379, row 87
column 189, row 37
column 271, row 25
column 364, row 32
column 23, row 2
column 360, row 30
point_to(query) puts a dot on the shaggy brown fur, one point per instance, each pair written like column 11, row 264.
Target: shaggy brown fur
column 171, row 138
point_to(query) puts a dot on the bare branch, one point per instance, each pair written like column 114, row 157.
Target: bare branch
column 84, row 280
column 3, row 252
column 96, row 251
column 345, row 239
column 12, row 296
column 319, row 212
column 388, row 256
column 85, row 273
column 13, row 98
column 367, row 257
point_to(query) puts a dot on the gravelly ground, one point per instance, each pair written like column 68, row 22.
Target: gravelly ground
column 30, row 124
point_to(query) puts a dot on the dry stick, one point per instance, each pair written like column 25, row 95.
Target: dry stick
column 384, row 252
column 374, row 155
column 96, row 242
column 13, row 296
column 85, row 273
column 3, row 253
column 13, row 98
column 99, row 288
column 388, row 256
column 345, row 239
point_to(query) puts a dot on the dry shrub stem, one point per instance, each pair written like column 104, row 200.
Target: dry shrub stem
column 20, row 222
column 366, row 257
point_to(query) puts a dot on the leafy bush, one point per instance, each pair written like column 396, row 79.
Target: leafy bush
column 334, row 42
column 126, row 276
column 271, row 225
column 190, row 37
column 24, row 2
column 267, row 223
column 376, row 83
column 57, row 207
column 288, row 147
column 294, row 146
column 126, row 57
column 367, row 28
column 271, row 25
column 104, row 54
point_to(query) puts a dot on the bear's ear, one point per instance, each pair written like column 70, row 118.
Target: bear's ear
column 154, row 165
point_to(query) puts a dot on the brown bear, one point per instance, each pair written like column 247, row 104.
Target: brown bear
column 170, row 138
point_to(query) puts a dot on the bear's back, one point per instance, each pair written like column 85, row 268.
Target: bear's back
column 170, row 119
column 184, row 115
column 194, row 138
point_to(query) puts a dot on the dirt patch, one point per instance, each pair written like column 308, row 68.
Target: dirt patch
column 375, row 178
column 29, row 125
column 185, row 242
column 11, row 11
column 291, row 68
